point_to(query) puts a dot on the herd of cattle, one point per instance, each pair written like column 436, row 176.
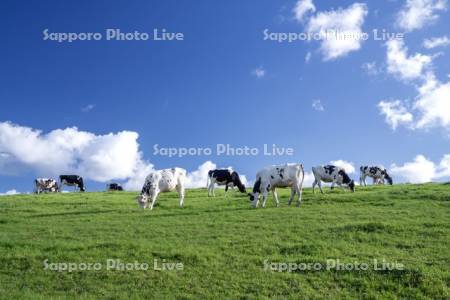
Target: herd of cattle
column 267, row 180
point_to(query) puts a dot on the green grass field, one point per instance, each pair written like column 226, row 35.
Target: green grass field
column 223, row 245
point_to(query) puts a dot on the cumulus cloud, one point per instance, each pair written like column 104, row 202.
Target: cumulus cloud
column 259, row 72
column 403, row 66
column 317, row 105
column 96, row 157
column 395, row 113
column 10, row 192
column 433, row 104
column 339, row 22
column 371, row 68
column 416, row 14
column 88, row 108
column 436, row 42
column 349, row 167
column 422, row 170
column 302, row 8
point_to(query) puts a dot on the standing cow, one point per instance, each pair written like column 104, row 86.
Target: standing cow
column 377, row 173
column 268, row 179
column 162, row 181
column 45, row 185
column 333, row 174
column 71, row 180
column 224, row 177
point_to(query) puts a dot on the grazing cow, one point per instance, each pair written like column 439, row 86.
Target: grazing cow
column 378, row 175
column 114, row 187
column 333, row 174
column 268, row 179
column 224, row 177
column 71, row 180
column 45, row 185
column 162, row 181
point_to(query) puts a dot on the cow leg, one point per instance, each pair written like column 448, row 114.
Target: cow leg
column 264, row 198
column 180, row 191
column 300, row 192
column 293, row 191
column 314, row 185
column 332, row 185
column 361, row 180
column 319, row 183
column 275, row 197
column 153, row 198
column 226, row 190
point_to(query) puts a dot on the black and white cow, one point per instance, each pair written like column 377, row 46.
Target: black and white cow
column 224, row 177
column 268, row 179
column 45, row 185
column 162, row 181
column 71, row 180
column 114, row 187
column 377, row 173
column 333, row 174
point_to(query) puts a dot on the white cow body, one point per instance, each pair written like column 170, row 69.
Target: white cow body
column 333, row 174
column 268, row 179
column 45, row 185
column 161, row 181
column 377, row 173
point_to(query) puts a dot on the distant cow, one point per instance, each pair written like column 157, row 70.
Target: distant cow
column 378, row 175
column 162, row 181
column 224, row 177
column 114, row 187
column 268, row 179
column 333, row 174
column 45, row 185
column 71, row 180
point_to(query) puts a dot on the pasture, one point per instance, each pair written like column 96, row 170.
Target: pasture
column 223, row 245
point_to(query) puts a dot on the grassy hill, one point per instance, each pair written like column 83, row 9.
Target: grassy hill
column 226, row 247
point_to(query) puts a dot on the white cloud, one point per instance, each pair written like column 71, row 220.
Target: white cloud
column 422, row 170
column 96, row 157
column 259, row 72
column 371, row 68
column 433, row 104
column 404, row 66
column 416, row 14
column 395, row 113
column 349, row 167
column 303, row 7
column 346, row 22
column 10, row 192
column 317, row 105
column 436, row 42
column 308, row 57
column 88, row 108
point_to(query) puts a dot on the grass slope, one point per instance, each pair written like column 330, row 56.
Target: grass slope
column 223, row 244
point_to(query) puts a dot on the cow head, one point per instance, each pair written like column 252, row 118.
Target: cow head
column 388, row 178
column 142, row 200
column 351, row 185
column 237, row 182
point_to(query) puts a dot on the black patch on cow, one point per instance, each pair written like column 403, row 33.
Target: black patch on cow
column 329, row 169
column 373, row 170
column 345, row 178
column 271, row 176
column 257, row 186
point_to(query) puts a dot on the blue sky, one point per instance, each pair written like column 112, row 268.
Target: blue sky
column 222, row 84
